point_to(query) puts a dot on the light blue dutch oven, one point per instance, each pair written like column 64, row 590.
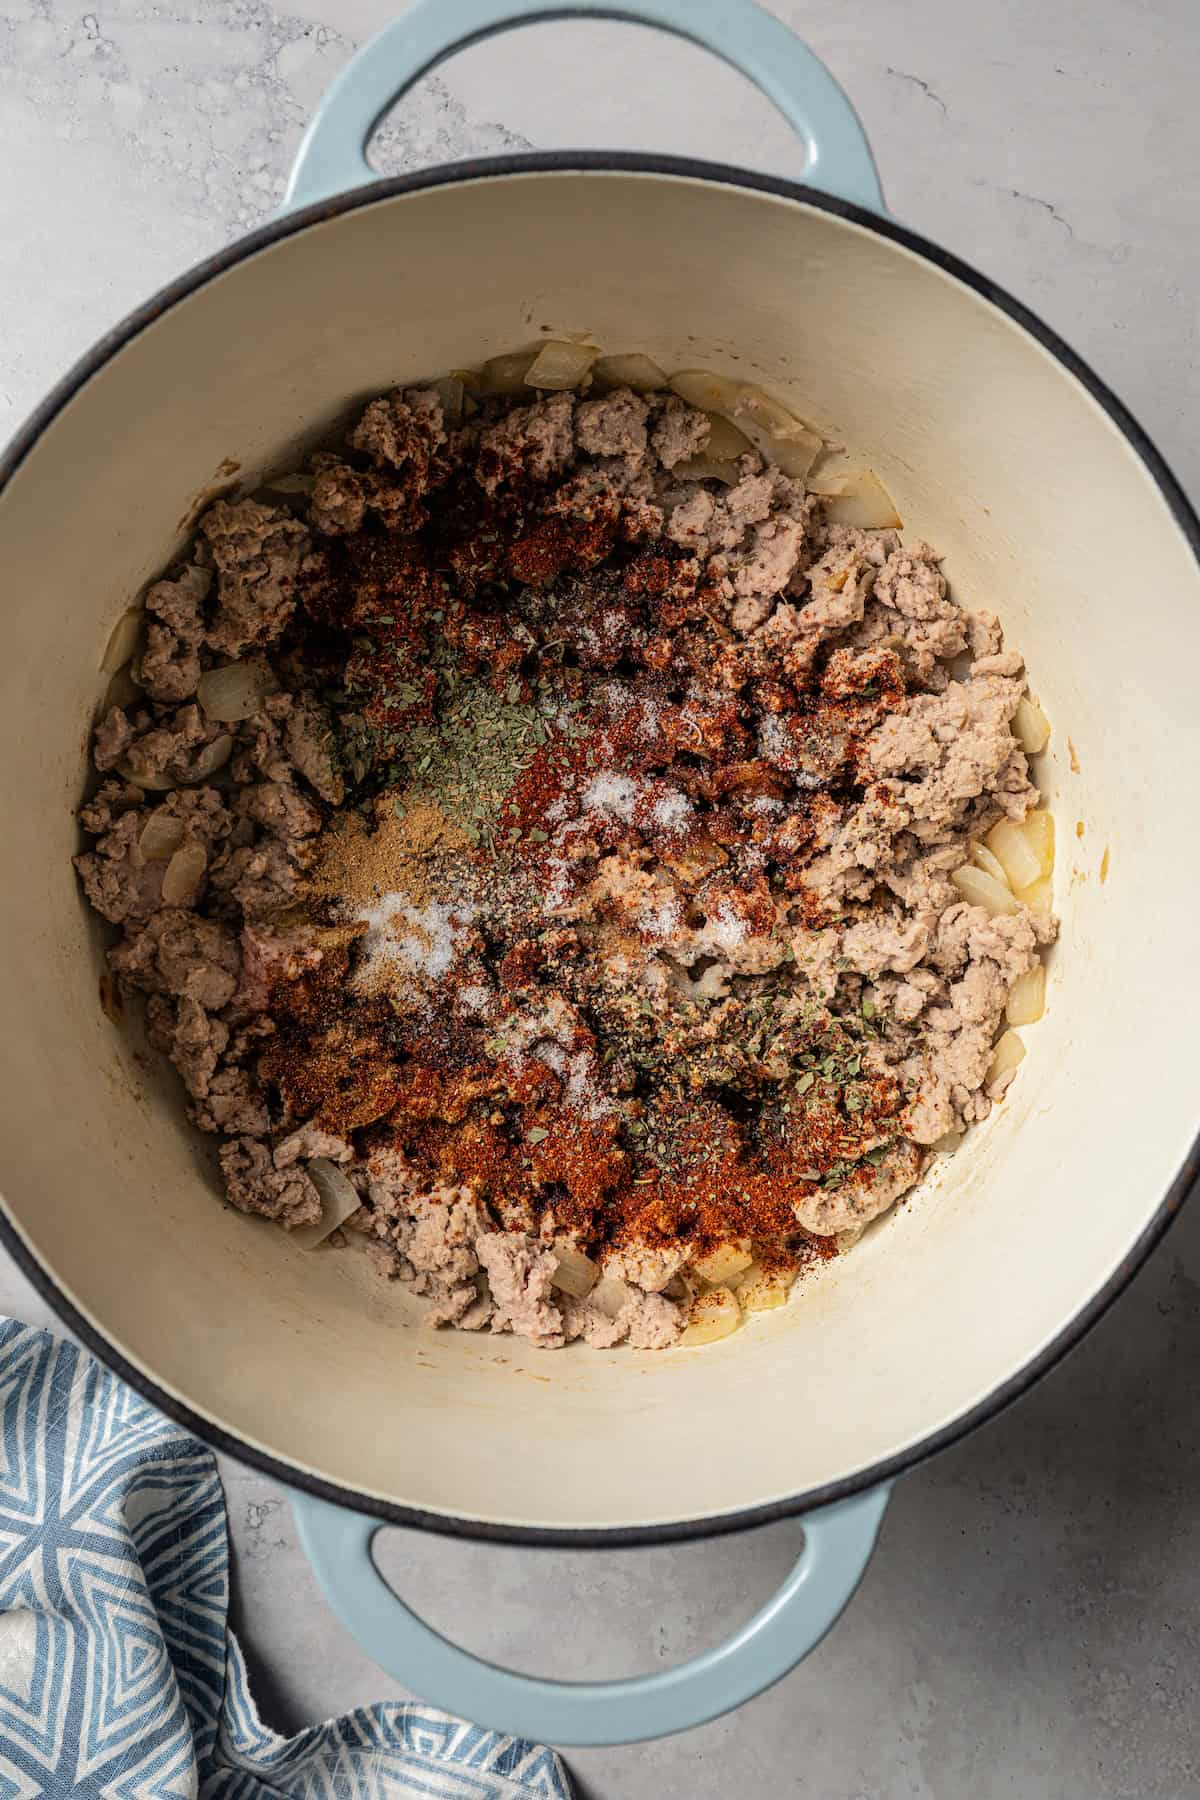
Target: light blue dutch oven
column 998, row 445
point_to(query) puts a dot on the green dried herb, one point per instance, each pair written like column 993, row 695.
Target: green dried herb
column 468, row 756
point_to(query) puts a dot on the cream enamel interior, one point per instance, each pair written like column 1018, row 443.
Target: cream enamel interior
column 991, row 450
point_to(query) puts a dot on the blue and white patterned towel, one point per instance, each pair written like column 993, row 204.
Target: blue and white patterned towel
column 119, row 1677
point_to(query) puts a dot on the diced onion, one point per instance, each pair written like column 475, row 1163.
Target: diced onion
column 794, row 458
column 122, row 691
column 984, row 858
column 858, row 498
column 1040, row 897
column 1030, row 726
column 184, row 873
column 776, row 434
column 451, row 392
column 714, row 1315
column 1007, row 1055
column 503, row 374
column 1027, row 997
column 760, row 1290
column 234, row 691
column 758, row 407
column 609, row 1294
column 725, row 442
column 123, row 640
column 721, row 1265
column 560, row 366
column 1010, row 843
column 706, row 391
column 703, row 468
column 155, row 783
column 290, row 484
column 1039, row 829
column 576, row 1273
column 214, row 756
column 161, row 836
column 978, row 888
column 339, row 1198
column 633, row 370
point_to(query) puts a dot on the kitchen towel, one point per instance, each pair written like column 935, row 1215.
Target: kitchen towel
column 119, row 1676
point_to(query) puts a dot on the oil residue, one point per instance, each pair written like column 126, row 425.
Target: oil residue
column 1104, row 866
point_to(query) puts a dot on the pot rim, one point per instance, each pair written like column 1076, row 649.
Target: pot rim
column 1185, row 1182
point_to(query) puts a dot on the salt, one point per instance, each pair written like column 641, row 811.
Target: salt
column 613, row 794
column 773, row 738
column 424, row 940
column 672, row 811
column 662, row 918
column 726, row 928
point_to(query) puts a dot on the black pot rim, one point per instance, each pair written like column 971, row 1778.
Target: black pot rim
column 744, row 1518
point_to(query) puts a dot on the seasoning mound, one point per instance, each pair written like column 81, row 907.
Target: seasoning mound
column 568, row 885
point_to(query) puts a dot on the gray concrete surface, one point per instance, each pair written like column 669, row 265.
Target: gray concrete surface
column 1030, row 1626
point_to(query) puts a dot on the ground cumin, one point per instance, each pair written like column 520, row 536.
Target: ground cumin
column 392, row 848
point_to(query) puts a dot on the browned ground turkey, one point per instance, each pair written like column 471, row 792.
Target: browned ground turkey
column 705, row 901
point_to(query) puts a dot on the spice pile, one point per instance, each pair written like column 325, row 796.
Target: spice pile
column 583, row 865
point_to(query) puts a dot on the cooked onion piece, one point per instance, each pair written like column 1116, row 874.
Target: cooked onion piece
column 859, row 498
column 978, row 888
column 714, row 1315
column 633, row 370
column 339, row 1198
column 1006, row 1057
column 123, row 640
column 780, row 436
column 502, row 374
column 724, row 1263
column 776, row 433
column 451, row 392
column 1039, row 829
column 755, row 406
column 725, row 442
column 560, row 366
column 1040, row 897
column 702, row 468
column 290, row 484
column 1030, row 726
column 234, row 691
column 184, row 873
column 760, row 1290
column 214, row 756
column 610, row 1294
column 122, row 691
column 162, row 834
column 155, row 783
column 985, row 859
column 576, row 1273
column 706, row 391
column 1011, row 845
column 1027, row 997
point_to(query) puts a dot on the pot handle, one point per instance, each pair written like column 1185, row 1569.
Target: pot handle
column 838, row 1541
column 332, row 156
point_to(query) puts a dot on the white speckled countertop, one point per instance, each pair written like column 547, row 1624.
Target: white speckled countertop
column 1030, row 1626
